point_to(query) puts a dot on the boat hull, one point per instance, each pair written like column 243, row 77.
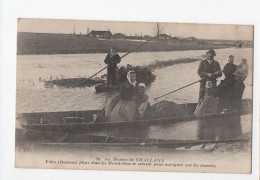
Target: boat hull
column 72, row 117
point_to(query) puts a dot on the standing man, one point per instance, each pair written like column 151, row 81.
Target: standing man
column 209, row 70
column 112, row 59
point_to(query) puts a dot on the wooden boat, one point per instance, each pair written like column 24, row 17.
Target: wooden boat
column 53, row 140
column 79, row 122
column 103, row 88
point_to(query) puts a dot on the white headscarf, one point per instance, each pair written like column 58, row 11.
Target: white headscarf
column 128, row 78
column 141, row 85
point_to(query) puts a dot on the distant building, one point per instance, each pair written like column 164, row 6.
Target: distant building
column 175, row 39
column 190, row 38
column 118, row 36
column 134, row 37
column 100, row 34
column 165, row 37
column 146, row 37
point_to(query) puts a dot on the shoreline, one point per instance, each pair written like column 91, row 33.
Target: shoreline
column 101, row 52
column 29, row 43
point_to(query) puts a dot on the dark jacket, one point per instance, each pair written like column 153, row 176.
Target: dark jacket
column 112, row 61
column 229, row 69
column 213, row 68
column 128, row 91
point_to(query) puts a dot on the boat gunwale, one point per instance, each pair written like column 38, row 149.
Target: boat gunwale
column 175, row 142
column 99, row 110
column 149, row 121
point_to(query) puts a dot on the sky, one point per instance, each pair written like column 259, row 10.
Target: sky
column 200, row 31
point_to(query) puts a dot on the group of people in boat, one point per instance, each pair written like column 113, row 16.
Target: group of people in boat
column 228, row 94
column 132, row 102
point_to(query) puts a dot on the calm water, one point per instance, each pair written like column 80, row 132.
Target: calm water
column 33, row 97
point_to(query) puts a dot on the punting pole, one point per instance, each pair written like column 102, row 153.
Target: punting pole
column 177, row 89
column 122, row 57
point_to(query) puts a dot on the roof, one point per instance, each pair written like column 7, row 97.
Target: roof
column 99, row 32
column 119, row 34
column 164, row 35
column 147, row 36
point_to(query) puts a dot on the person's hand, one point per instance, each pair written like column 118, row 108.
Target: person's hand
column 218, row 71
column 209, row 74
column 134, row 97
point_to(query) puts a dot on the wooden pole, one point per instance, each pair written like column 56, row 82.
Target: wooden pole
column 177, row 89
column 121, row 58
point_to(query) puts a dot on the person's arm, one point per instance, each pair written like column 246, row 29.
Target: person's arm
column 146, row 97
column 142, row 108
column 107, row 59
column 226, row 70
column 218, row 72
column 244, row 74
column 118, row 59
column 201, row 71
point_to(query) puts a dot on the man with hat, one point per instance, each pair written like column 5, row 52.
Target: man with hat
column 209, row 70
column 112, row 59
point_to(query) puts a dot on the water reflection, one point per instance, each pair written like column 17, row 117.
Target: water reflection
column 220, row 128
column 203, row 129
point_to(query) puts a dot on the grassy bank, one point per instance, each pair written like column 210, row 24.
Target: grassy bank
column 160, row 64
column 144, row 74
column 41, row 43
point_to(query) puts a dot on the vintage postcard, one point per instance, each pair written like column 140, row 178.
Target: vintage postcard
column 112, row 95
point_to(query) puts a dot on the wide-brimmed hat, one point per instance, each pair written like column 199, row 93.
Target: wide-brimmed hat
column 211, row 51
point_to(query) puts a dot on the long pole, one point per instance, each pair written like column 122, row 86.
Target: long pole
column 178, row 89
column 121, row 57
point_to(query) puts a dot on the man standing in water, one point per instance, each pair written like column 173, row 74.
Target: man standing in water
column 112, row 59
column 209, row 70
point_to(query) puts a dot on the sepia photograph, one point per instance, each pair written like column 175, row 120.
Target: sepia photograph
column 139, row 96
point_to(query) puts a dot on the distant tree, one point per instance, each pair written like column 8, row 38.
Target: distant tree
column 158, row 32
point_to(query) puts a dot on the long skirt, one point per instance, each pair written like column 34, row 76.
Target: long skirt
column 124, row 111
column 110, row 104
column 239, row 88
column 207, row 105
column 226, row 94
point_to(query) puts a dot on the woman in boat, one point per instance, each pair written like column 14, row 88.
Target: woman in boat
column 142, row 102
column 126, row 107
column 226, row 87
column 208, row 104
column 240, row 74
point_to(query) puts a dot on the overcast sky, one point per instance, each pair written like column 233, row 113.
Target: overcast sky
column 200, row 31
